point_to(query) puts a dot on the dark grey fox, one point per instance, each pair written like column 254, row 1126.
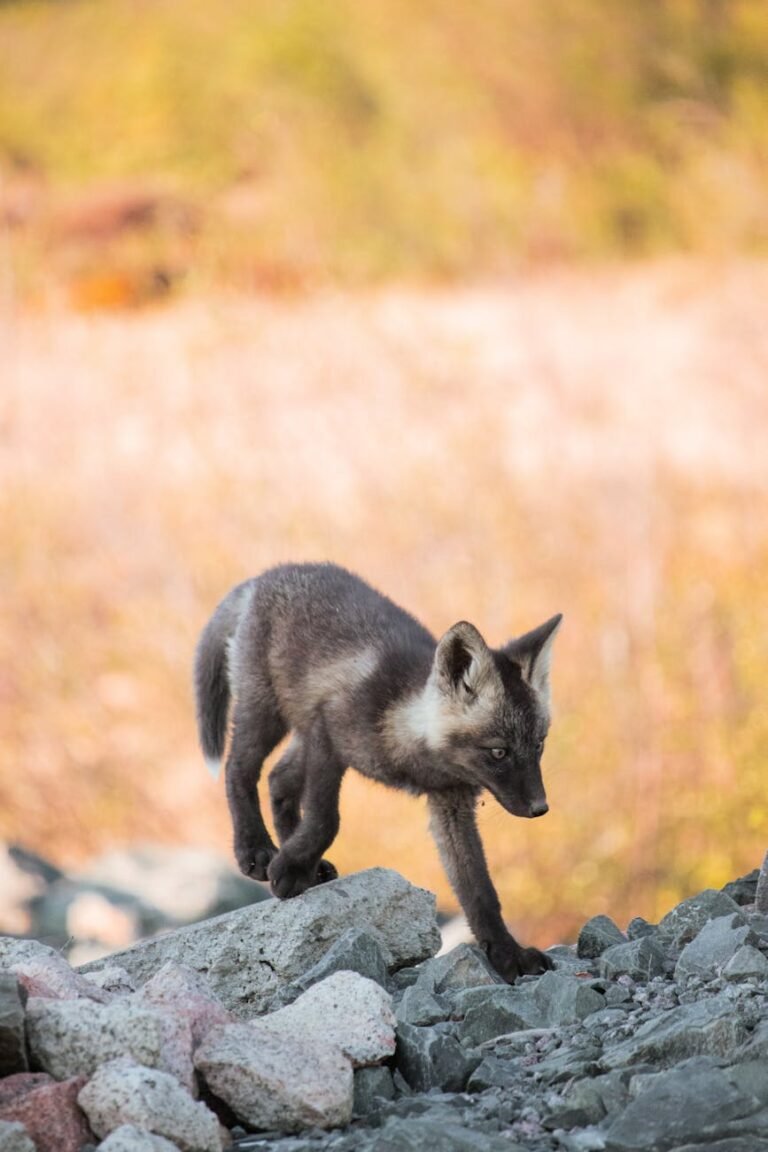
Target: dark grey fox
column 312, row 649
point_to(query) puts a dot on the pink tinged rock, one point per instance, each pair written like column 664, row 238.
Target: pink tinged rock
column 45, row 973
column 14, row 1138
column 346, row 1010
column 51, row 1115
column 184, row 992
column 130, row 1138
column 280, row 1081
column 69, row 1036
column 122, row 1092
column 112, row 979
column 16, row 1086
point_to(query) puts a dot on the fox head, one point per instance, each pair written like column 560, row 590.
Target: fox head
column 487, row 712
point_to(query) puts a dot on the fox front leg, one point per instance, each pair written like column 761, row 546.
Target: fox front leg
column 454, row 828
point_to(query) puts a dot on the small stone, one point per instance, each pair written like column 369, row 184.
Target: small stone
column 713, row 946
column 44, row 972
column 130, row 1138
column 565, row 999
column 465, row 966
column 13, row 1051
column 181, row 991
column 598, row 934
column 418, row 1006
column 355, row 951
column 639, row 959
column 14, row 1137
column 429, row 1059
column 638, row 927
column 372, row 1088
column 747, row 963
column 280, row 1081
column 50, row 1114
column 122, row 1092
column 494, row 1011
column 707, row 1027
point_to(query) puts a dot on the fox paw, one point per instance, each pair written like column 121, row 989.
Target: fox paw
column 325, row 872
column 512, row 961
column 289, row 878
column 255, row 864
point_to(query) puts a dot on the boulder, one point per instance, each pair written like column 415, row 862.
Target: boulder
column 122, row 1092
column 747, row 963
column 76, row 1036
column 249, row 955
column 13, row 1050
column 565, row 999
column 355, row 951
column 279, row 1081
column 465, row 966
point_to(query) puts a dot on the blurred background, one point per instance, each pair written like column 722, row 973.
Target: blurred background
column 470, row 298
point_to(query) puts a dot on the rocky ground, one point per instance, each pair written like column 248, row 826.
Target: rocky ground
column 326, row 1024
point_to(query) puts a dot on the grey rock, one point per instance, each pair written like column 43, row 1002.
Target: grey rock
column 429, row 1059
column 758, row 922
column 14, row 1138
column 565, row 999
column 638, row 928
column 130, row 1138
column 121, row 1092
column 249, row 955
column 492, row 1072
column 418, row 1006
column 761, row 888
column 277, row 1080
column 427, row 1134
column 743, row 890
column 677, row 1107
column 599, row 1096
column 640, row 959
column 747, row 963
column 751, row 1077
column 616, row 994
column 372, row 1088
column 73, row 1037
column 566, row 959
column 570, row 1062
column 493, row 1011
column 598, row 934
column 713, row 946
column 729, row 1144
column 465, row 966
column 355, row 951
column 13, row 1050
column 706, row 1027
column 686, row 920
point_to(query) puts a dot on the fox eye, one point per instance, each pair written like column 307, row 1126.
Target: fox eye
column 498, row 753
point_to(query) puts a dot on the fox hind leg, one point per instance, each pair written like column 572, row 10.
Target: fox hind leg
column 256, row 732
column 286, row 787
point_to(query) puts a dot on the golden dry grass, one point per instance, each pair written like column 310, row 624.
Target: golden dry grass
column 592, row 444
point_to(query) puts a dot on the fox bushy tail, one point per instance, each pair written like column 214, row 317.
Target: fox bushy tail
column 212, row 688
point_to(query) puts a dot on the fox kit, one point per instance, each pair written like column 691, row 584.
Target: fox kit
column 312, row 649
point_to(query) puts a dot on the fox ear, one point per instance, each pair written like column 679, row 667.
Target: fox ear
column 462, row 660
column 533, row 652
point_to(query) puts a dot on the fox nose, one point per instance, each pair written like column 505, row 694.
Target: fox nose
column 538, row 808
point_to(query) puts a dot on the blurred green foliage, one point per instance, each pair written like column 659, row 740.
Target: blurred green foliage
column 367, row 139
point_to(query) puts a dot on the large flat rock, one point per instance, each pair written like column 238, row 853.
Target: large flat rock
column 250, row 955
